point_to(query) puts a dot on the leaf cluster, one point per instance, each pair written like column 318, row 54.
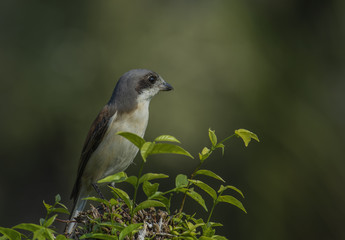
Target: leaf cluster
column 43, row 230
column 123, row 217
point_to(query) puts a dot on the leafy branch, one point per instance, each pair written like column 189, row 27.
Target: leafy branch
column 123, row 217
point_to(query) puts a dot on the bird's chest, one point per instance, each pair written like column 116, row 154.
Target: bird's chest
column 115, row 153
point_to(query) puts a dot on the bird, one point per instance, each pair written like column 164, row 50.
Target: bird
column 105, row 152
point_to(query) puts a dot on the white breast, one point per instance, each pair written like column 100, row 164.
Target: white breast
column 115, row 153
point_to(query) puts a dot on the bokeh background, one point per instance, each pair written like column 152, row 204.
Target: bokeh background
column 274, row 67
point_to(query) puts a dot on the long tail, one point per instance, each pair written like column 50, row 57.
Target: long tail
column 78, row 207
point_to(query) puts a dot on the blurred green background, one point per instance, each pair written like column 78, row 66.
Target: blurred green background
column 276, row 68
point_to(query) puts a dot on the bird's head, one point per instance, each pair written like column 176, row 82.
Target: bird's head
column 137, row 85
column 149, row 83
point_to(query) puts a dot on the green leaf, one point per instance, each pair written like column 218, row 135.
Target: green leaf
column 149, row 188
column 209, row 173
column 42, row 221
column 41, row 234
column 116, row 225
column 223, row 188
column 205, row 153
column 57, row 198
column 99, row 236
column 100, row 200
column 148, row 204
column 116, row 178
column 212, row 136
column 210, row 191
column 231, row 200
column 197, row 197
column 124, row 196
column 47, row 206
column 193, row 227
column 208, row 231
column 132, row 180
column 10, row 233
column 151, row 176
column 160, row 148
column 113, row 202
column 246, row 136
column 146, row 149
column 205, row 238
column 158, row 196
column 166, row 138
column 29, row 227
column 197, row 221
column 60, row 237
column 133, row 138
column 62, row 205
column 129, row 229
column 181, row 181
column 214, row 224
column 50, row 221
column 217, row 237
column 220, row 145
column 59, row 210
column 48, row 233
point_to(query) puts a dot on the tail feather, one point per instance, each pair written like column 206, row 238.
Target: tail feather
column 78, row 207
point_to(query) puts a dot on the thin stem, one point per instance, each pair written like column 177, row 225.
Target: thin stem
column 63, row 220
column 211, row 212
column 137, row 184
column 196, row 169
column 171, row 190
column 185, row 195
column 183, row 200
column 215, row 202
column 226, row 139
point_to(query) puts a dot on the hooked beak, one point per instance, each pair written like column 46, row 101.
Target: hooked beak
column 165, row 87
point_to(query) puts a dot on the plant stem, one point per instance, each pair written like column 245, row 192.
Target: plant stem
column 226, row 139
column 137, row 185
column 211, row 212
column 172, row 190
column 185, row 195
column 183, row 200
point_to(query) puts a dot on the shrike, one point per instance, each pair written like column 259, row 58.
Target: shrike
column 104, row 152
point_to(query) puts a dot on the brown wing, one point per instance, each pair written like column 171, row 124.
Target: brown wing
column 93, row 139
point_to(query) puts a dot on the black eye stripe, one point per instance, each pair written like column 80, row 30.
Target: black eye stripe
column 145, row 83
column 152, row 79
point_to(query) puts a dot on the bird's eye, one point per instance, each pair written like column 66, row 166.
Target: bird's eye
column 152, row 79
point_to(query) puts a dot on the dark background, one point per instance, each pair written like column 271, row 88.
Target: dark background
column 273, row 67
